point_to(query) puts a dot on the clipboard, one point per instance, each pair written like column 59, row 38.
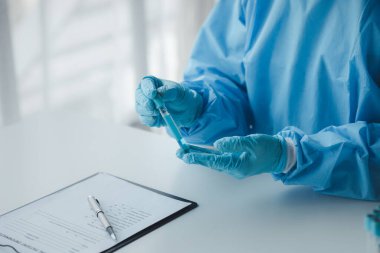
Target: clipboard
column 128, row 211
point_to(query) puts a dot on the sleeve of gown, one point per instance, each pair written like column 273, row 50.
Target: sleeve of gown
column 216, row 71
column 341, row 161
column 345, row 160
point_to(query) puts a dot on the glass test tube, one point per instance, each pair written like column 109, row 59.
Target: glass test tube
column 172, row 126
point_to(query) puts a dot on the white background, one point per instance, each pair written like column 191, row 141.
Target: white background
column 87, row 56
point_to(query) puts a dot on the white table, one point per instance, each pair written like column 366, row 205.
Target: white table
column 48, row 152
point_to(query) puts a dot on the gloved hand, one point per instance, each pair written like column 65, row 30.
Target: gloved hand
column 183, row 104
column 243, row 156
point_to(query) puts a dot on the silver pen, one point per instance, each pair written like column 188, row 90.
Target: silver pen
column 95, row 206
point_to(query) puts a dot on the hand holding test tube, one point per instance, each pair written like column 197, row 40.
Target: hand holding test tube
column 176, row 133
column 167, row 95
column 184, row 104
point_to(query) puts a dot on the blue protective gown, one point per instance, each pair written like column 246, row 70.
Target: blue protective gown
column 307, row 70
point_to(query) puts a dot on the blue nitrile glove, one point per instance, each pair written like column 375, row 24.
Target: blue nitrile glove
column 243, row 156
column 183, row 104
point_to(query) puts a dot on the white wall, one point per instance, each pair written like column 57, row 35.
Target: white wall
column 88, row 55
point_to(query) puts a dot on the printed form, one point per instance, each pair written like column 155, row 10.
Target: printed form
column 63, row 222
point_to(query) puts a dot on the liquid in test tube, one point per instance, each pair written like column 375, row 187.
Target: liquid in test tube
column 171, row 125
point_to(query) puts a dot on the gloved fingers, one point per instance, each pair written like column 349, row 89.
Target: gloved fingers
column 143, row 111
column 180, row 153
column 145, row 106
column 152, row 121
column 208, row 160
column 232, row 144
column 149, row 85
column 171, row 91
column 232, row 164
column 222, row 162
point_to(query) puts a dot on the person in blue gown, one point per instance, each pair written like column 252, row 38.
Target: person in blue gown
column 290, row 88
